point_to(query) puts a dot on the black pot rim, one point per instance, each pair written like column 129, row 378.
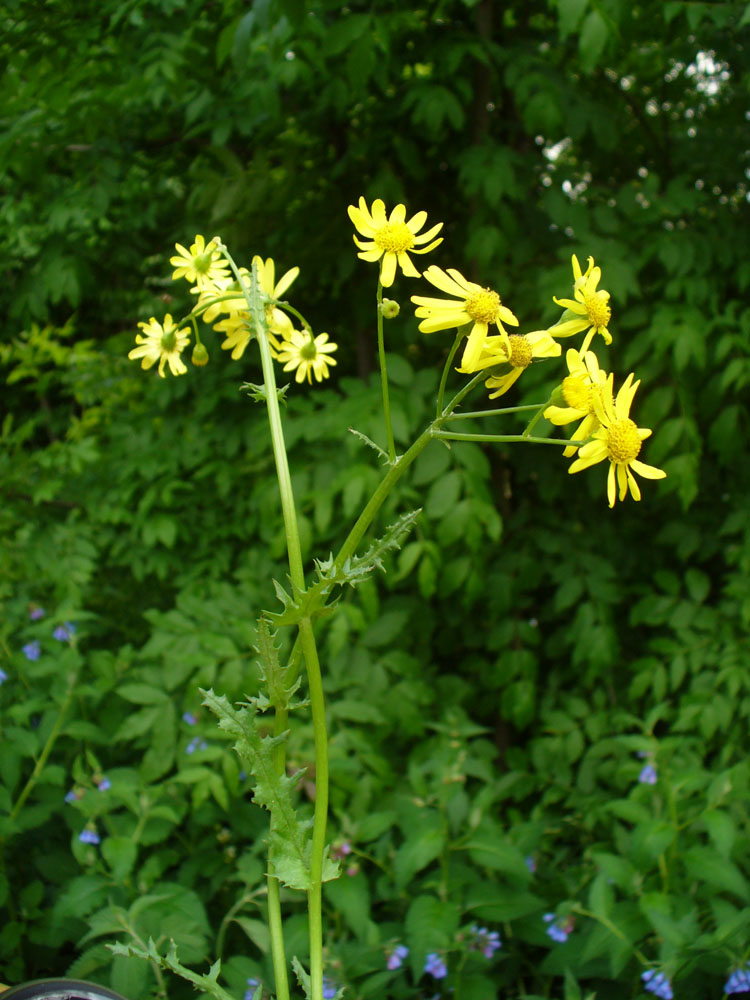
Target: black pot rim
column 60, row 989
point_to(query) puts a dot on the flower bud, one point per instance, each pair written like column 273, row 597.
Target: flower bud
column 199, row 356
column 389, row 309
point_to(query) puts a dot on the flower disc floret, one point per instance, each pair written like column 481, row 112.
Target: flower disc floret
column 390, row 239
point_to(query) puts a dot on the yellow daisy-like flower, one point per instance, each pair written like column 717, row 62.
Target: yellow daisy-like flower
column 162, row 343
column 590, row 307
column 307, row 355
column 472, row 304
column 619, row 440
column 578, row 390
column 392, row 238
column 524, row 348
column 201, row 265
column 238, row 325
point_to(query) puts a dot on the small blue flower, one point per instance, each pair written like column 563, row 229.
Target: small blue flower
column 196, row 744
column 32, row 650
column 72, row 795
column 657, row 983
column 557, row 931
column 435, row 966
column 104, row 784
column 530, row 863
column 252, row 986
column 329, row 988
column 488, row 942
column 64, row 632
column 35, row 612
column 648, row 775
column 739, row 980
column 3, row 676
column 396, row 957
column 189, row 718
column 89, row 836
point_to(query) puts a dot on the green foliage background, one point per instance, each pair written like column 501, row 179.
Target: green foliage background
column 489, row 695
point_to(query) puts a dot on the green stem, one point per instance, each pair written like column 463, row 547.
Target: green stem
column 384, row 377
column 47, row 749
column 535, row 419
column 396, row 471
column 444, row 376
column 476, row 414
column 320, row 734
column 506, row 438
column 309, row 650
column 294, row 552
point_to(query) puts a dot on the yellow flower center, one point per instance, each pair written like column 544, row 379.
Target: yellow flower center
column 394, row 237
column 577, row 393
column 520, row 351
column 623, row 442
column 597, row 309
column 309, row 351
column 483, row 306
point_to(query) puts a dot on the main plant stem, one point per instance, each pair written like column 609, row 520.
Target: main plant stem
column 384, row 377
column 256, row 307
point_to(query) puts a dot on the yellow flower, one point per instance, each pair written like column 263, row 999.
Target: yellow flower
column 238, row 326
column 619, row 440
column 392, row 238
column 162, row 343
column 201, row 265
column 591, row 307
column 307, row 354
column 472, row 304
column 523, row 349
column 578, row 390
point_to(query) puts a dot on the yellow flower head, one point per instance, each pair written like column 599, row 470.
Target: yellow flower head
column 619, row 440
column 590, row 307
column 392, row 238
column 238, row 325
column 578, row 391
column 524, row 348
column 471, row 304
column 162, row 343
column 201, row 265
column 307, row 355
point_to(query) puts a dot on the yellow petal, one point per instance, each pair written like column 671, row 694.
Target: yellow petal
column 388, row 269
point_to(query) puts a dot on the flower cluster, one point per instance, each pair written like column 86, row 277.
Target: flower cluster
column 648, row 775
column 435, row 966
column 488, row 942
column 395, row 957
column 558, row 929
column 604, row 423
column 222, row 302
column 739, row 980
column 657, row 983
